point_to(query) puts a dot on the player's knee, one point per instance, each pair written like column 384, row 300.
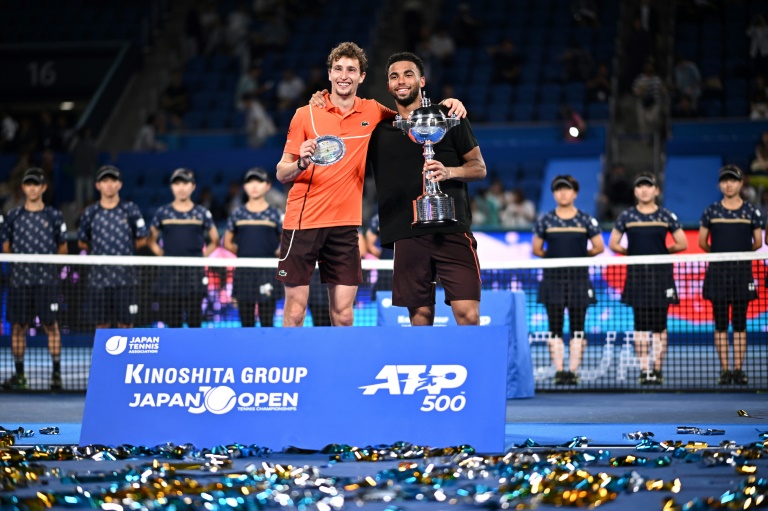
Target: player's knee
column 421, row 316
column 468, row 317
column 343, row 317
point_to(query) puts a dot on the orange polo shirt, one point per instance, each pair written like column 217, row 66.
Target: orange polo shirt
column 336, row 193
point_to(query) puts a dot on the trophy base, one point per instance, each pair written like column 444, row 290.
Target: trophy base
column 433, row 223
column 433, row 210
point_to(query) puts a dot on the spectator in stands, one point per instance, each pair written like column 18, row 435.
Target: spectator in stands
column 8, row 129
column 730, row 225
column 758, row 175
column 184, row 227
column 506, row 62
column 687, row 80
column 497, row 193
column 684, row 108
column 412, row 22
column 485, row 213
column 749, row 193
column 253, row 230
column 758, row 100
column 649, row 91
column 258, row 123
column 194, row 35
column 290, row 89
column 599, row 86
column 574, row 126
column 112, row 226
column 649, row 288
column 518, row 212
column 66, row 131
column 175, row 100
column 207, row 200
column 274, row 34
column 276, row 198
column 764, row 203
column 215, row 40
column 23, row 162
column 758, row 43
column 251, row 83
column 146, row 138
column 26, row 137
column 48, row 132
column 478, row 213
column 318, row 79
column 649, row 20
column 442, row 45
column 465, row 26
column 85, row 161
column 235, row 196
column 50, row 166
column 639, row 47
column 760, row 163
column 210, row 22
column 238, row 27
column 585, row 12
column 617, row 194
column 566, row 231
column 33, row 228
column 577, row 63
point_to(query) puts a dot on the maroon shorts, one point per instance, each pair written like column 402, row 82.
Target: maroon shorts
column 420, row 261
column 336, row 251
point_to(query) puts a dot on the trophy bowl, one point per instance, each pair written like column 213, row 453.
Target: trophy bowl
column 427, row 126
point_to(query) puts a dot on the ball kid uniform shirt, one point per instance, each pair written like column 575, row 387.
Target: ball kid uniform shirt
column 112, row 231
column 257, row 234
column 648, row 285
column 730, row 230
column 34, row 232
column 183, row 235
column 566, row 238
column 334, row 193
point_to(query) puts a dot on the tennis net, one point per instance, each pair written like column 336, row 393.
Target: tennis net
column 633, row 323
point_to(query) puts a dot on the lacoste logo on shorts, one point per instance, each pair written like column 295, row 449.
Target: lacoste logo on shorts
column 364, row 123
column 282, row 273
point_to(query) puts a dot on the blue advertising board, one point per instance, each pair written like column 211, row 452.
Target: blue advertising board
column 496, row 308
column 280, row 387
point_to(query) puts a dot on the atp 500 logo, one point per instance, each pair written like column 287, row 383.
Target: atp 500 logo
column 418, row 379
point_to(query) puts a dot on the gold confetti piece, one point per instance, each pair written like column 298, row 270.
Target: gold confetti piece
column 746, row 469
column 743, row 413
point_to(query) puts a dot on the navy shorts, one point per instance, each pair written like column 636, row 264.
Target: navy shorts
column 28, row 302
column 421, row 260
column 336, row 250
column 114, row 305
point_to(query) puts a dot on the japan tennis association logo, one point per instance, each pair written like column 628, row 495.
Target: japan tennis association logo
column 434, row 381
column 116, row 344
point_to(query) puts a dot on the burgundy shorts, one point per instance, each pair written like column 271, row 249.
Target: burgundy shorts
column 420, row 261
column 336, row 251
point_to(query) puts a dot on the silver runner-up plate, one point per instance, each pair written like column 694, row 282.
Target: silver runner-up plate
column 330, row 149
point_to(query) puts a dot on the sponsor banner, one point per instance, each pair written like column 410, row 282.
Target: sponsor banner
column 280, row 387
column 496, row 308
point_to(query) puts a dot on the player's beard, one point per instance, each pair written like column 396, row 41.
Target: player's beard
column 407, row 100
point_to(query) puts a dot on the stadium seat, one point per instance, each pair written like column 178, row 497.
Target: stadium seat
column 598, row 111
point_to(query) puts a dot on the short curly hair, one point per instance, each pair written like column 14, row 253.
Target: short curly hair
column 351, row 51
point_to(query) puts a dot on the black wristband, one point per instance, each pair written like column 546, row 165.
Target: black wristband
column 298, row 164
